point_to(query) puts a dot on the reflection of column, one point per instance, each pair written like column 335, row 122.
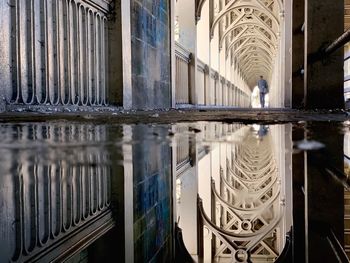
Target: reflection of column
column 188, row 203
column 204, row 175
column 152, row 194
column 298, row 167
column 282, row 143
column 128, row 195
column 324, row 196
column 185, row 11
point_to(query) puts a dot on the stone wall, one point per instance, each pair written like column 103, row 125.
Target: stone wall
column 150, row 48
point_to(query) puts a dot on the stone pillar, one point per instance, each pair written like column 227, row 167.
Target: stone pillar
column 150, row 53
column 193, row 85
column 119, row 62
column 173, row 57
column 185, row 11
column 5, row 47
column 298, row 54
column 324, row 22
column 288, row 31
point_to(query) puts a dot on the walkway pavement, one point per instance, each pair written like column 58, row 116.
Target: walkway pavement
column 119, row 116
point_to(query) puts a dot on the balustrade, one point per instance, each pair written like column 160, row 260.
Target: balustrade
column 202, row 82
column 182, row 147
column 214, row 89
column 183, row 59
column 57, row 52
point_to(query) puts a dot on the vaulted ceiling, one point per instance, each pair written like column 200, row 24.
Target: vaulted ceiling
column 249, row 31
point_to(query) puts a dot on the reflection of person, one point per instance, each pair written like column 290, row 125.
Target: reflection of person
column 262, row 131
column 263, row 88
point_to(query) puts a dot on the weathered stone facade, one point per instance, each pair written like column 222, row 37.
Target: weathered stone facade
column 150, row 43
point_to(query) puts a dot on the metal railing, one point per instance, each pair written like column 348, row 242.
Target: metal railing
column 203, row 83
column 183, row 60
column 211, row 87
column 57, row 53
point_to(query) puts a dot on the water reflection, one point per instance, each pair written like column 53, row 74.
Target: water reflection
column 55, row 188
column 65, row 185
column 241, row 201
column 200, row 192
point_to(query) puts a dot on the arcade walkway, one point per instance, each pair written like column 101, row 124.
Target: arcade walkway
column 86, row 55
column 131, row 131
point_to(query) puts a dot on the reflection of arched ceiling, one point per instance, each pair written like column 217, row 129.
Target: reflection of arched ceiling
column 249, row 203
column 249, row 29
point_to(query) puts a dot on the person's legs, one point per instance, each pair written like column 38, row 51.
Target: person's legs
column 263, row 96
column 262, row 99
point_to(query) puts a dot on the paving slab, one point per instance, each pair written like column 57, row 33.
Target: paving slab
column 120, row 116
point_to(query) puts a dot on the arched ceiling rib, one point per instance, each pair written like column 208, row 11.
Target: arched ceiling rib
column 257, row 24
column 259, row 54
column 252, row 62
column 254, row 46
column 249, row 31
column 252, row 38
column 253, row 8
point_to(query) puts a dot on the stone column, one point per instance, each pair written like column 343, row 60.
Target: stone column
column 288, row 35
column 298, row 54
column 5, row 48
column 185, row 11
column 173, row 58
column 324, row 22
column 119, row 62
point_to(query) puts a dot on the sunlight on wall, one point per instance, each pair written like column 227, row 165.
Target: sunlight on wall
column 256, row 98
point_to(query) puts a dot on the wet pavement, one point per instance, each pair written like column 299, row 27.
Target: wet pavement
column 82, row 188
column 120, row 116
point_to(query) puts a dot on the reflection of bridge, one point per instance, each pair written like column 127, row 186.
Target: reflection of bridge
column 248, row 210
column 244, row 203
column 57, row 195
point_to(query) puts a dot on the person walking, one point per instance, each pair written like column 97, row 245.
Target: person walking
column 263, row 89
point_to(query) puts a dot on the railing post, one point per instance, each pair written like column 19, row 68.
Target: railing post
column 206, row 84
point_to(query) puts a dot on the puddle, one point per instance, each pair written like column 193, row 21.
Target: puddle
column 188, row 192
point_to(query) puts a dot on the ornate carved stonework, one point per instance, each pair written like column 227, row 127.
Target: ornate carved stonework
column 199, row 6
